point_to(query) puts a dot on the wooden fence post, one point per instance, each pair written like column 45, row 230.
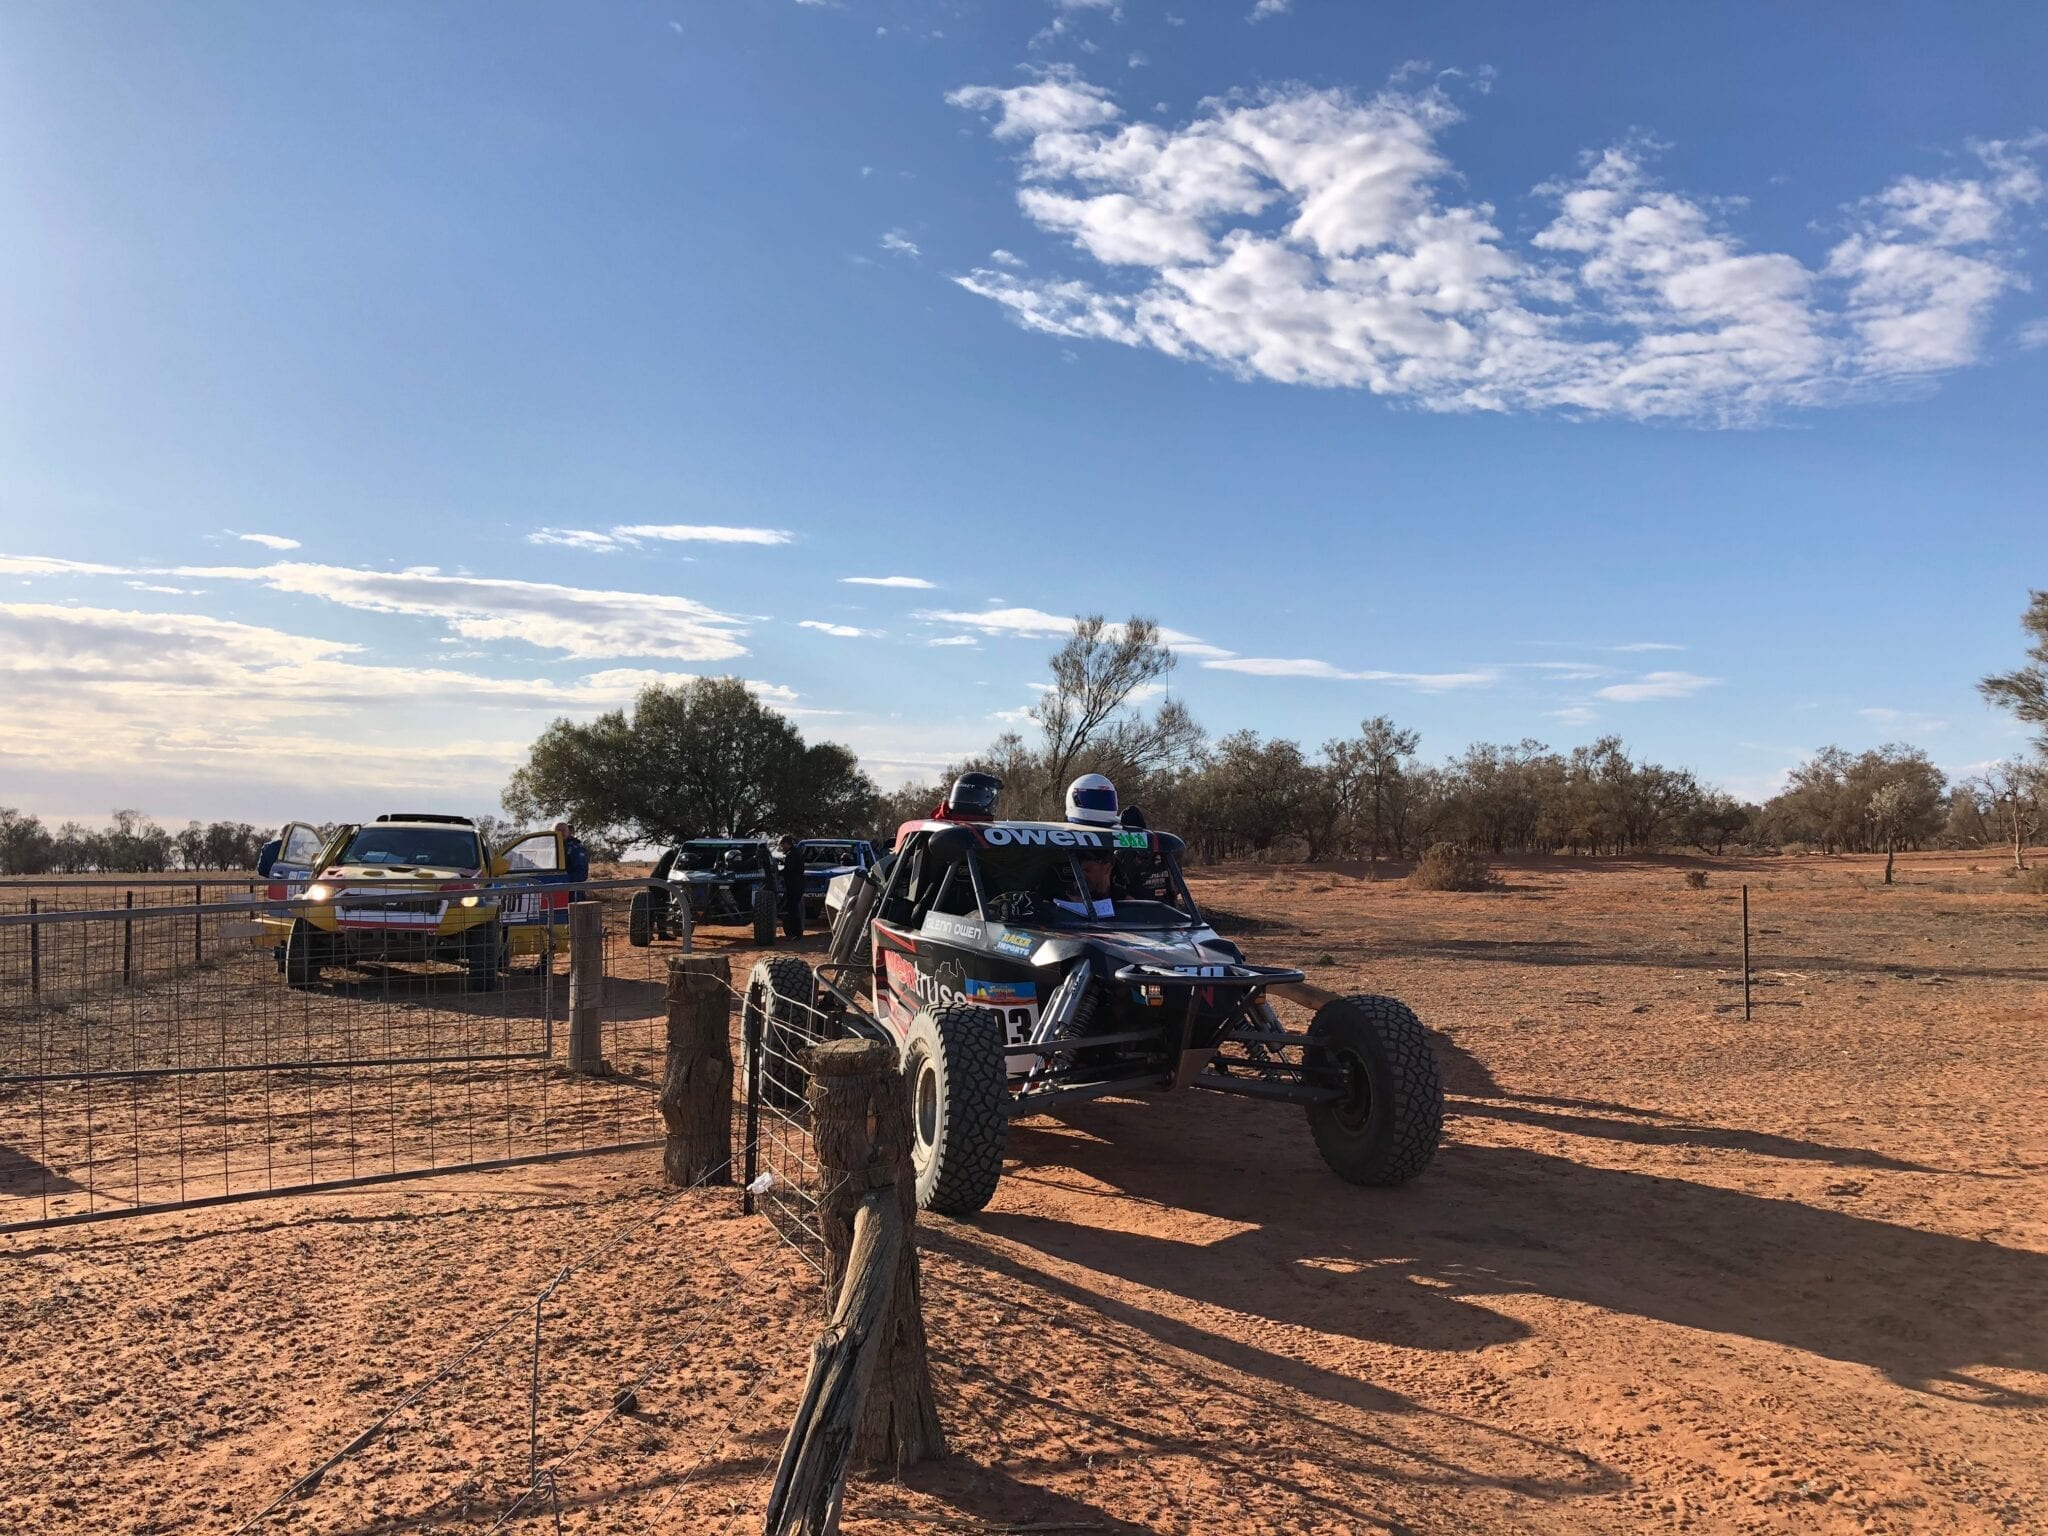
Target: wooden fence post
column 586, row 988
column 860, row 1125
column 198, row 927
column 35, row 955
column 128, row 941
column 696, row 1087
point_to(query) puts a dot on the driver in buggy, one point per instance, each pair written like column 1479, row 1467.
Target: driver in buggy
column 1091, row 802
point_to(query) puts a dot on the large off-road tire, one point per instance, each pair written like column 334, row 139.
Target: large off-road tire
column 779, row 1002
column 764, row 914
column 1386, row 1127
column 302, row 955
column 640, row 920
column 959, row 1107
column 483, row 951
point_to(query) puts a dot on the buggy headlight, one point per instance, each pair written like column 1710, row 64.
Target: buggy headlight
column 319, row 892
column 470, row 901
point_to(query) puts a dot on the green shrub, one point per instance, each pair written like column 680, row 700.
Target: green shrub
column 2034, row 881
column 1449, row 867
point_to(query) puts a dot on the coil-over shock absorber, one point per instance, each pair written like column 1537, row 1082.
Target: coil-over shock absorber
column 1066, row 1017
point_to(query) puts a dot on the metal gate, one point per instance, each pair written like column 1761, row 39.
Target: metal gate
column 156, row 1055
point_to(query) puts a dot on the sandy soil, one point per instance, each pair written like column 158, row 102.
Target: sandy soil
column 1672, row 1271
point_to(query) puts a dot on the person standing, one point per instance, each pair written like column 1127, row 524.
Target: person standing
column 791, row 857
column 575, row 857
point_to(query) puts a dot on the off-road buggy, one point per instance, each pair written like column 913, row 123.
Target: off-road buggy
column 825, row 859
column 1010, row 981
column 720, row 880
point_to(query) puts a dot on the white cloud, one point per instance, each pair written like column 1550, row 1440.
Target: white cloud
column 1265, row 10
column 269, row 540
column 574, row 538
column 1026, row 623
column 1574, row 714
column 913, row 583
column 1003, row 258
column 581, row 622
column 1657, row 685
column 700, row 533
column 42, row 565
column 1647, row 645
column 899, row 244
column 1056, row 103
column 952, row 640
column 1313, row 237
column 151, row 586
column 842, row 631
column 629, row 535
column 1037, row 624
column 1279, row 666
column 2033, row 334
column 144, row 702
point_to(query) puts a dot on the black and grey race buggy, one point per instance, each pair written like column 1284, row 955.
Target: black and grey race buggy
column 724, row 881
column 1020, row 965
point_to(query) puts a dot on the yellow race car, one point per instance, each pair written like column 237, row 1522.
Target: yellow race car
column 410, row 887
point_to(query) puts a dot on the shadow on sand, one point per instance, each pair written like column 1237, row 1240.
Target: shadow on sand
column 1923, row 1308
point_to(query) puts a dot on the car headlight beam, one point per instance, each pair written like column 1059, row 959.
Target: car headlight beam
column 319, row 892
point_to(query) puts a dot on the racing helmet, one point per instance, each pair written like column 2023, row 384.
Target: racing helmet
column 973, row 797
column 1091, row 800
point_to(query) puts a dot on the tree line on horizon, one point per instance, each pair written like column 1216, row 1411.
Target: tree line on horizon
column 131, row 843
column 707, row 758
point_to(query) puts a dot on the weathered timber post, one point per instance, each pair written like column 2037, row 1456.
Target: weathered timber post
column 696, row 1087
column 810, row 1479
column 128, row 940
column 860, row 1125
column 198, row 926
column 586, row 988
column 35, row 954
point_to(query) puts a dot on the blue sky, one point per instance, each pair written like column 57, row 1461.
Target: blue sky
column 1676, row 372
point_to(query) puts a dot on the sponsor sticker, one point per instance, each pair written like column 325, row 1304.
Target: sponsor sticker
column 952, row 928
column 1040, row 837
column 1014, row 944
column 1133, row 840
column 1001, row 994
column 936, row 989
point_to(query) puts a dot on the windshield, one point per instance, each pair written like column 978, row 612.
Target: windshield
column 715, row 856
column 828, row 853
column 441, row 847
column 1140, row 887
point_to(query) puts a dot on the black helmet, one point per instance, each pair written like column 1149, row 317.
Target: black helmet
column 1134, row 818
column 974, row 794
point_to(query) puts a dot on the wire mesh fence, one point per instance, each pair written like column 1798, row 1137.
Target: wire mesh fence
column 168, row 1053
column 779, row 1021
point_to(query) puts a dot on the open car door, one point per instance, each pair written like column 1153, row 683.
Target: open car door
column 538, row 857
column 299, row 850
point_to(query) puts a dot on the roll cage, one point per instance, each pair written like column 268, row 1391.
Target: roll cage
column 956, row 869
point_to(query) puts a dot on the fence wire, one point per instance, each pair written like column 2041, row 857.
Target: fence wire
column 779, row 1022
column 170, row 1053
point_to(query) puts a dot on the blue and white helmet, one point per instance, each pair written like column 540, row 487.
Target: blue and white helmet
column 1091, row 800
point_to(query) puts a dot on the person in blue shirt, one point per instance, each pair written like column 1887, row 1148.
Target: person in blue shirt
column 575, row 857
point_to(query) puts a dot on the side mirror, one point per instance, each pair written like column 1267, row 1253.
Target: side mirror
column 267, row 858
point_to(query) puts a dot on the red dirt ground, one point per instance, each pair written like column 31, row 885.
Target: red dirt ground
column 1671, row 1271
